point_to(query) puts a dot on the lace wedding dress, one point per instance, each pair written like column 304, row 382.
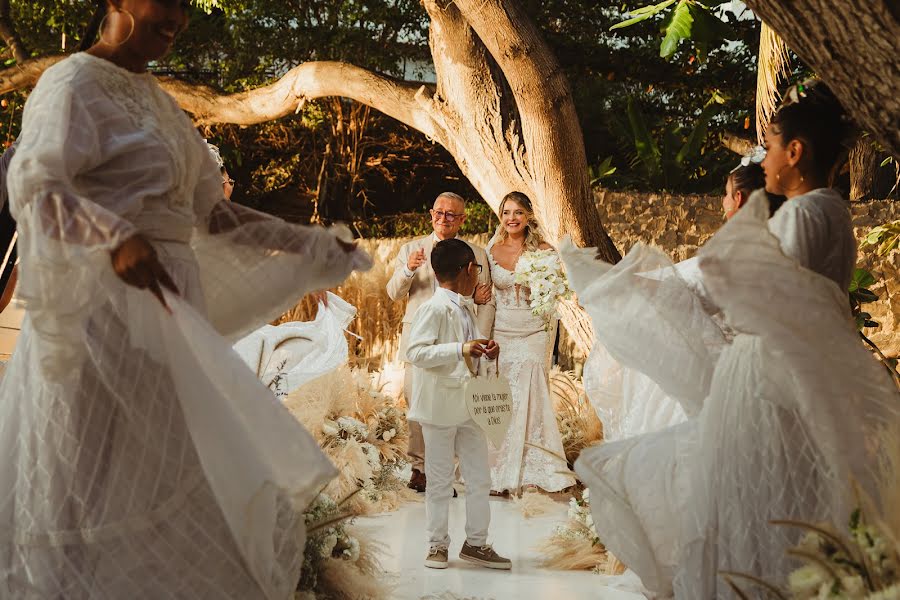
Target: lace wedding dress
column 525, row 353
column 789, row 412
column 142, row 459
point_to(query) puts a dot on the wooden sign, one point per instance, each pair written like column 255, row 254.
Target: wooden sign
column 489, row 401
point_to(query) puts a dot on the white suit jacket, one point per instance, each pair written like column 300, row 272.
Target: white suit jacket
column 439, row 375
column 422, row 284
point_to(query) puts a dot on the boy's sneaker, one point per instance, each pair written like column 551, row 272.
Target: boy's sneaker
column 437, row 557
column 484, row 556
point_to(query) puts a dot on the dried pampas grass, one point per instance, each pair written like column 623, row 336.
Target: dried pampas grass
column 579, row 425
column 535, row 504
column 576, row 553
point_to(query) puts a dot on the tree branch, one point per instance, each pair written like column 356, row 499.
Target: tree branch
column 737, row 144
column 308, row 81
column 25, row 74
column 9, row 34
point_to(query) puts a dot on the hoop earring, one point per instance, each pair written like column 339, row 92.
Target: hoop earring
column 103, row 26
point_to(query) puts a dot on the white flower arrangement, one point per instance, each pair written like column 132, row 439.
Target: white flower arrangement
column 863, row 566
column 580, row 515
column 346, row 428
column 333, row 542
column 542, row 273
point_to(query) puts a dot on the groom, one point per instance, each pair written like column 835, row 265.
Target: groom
column 414, row 279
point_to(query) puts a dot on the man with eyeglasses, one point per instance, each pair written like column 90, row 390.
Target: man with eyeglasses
column 414, row 280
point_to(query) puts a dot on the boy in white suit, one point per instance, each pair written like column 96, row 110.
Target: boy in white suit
column 444, row 348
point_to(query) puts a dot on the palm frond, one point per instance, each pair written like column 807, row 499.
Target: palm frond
column 773, row 65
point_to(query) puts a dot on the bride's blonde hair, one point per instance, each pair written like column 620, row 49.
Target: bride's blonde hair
column 533, row 237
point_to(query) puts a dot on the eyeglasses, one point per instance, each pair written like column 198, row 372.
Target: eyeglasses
column 756, row 156
column 447, row 216
column 478, row 268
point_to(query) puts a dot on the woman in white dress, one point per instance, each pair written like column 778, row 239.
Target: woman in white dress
column 629, row 402
column 789, row 411
column 141, row 458
column 526, row 343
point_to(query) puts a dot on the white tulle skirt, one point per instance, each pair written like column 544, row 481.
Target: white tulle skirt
column 159, row 467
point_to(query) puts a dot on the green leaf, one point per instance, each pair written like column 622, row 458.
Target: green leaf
column 862, row 278
column 677, row 28
column 887, row 161
column 643, row 13
column 699, row 134
column 644, row 144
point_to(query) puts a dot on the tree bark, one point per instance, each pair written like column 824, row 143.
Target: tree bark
column 737, row 144
column 864, row 165
column 553, row 146
column 10, row 36
column 25, row 74
column 853, row 46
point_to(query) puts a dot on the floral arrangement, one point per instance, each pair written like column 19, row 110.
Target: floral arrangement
column 867, row 566
column 542, row 273
column 339, row 562
column 863, row 566
column 363, row 431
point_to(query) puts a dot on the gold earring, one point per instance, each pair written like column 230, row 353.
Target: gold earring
column 103, row 26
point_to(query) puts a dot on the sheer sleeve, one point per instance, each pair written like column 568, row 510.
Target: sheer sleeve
column 640, row 303
column 64, row 238
column 254, row 266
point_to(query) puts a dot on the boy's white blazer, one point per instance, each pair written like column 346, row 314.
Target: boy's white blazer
column 439, row 374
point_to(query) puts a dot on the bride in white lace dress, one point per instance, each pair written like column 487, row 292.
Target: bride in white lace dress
column 526, row 343
column 142, row 459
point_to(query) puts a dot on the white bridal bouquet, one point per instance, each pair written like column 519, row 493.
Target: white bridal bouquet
column 542, row 272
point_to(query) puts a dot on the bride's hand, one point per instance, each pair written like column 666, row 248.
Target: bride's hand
column 136, row 263
column 482, row 293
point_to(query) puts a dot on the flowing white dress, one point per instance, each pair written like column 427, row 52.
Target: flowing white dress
column 525, row 350
column 788, row 412
column 629, row 395
column 141, row 458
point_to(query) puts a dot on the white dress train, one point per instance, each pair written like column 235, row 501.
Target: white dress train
column 141, row 458
column 791, row 412
column 525, row 351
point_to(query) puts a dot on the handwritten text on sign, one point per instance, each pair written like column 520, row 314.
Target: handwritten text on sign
column 489, row 401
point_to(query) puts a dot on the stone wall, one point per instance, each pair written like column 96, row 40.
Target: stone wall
column 681, row 224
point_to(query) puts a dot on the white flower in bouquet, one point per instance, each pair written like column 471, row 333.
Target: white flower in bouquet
column 806, row 581
column 542, row 273
column 389, row 434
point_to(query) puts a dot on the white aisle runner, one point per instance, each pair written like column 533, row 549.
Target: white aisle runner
column 403, row 532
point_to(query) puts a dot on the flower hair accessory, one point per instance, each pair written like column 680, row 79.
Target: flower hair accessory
column 756, row 156
column 216, row 154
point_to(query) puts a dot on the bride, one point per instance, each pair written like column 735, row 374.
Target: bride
column 526, row 342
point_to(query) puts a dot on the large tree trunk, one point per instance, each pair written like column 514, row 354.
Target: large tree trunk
column 853, row 46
